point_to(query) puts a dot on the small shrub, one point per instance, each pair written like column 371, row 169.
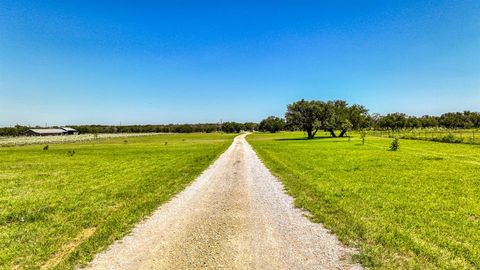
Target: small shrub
column 45, row 148
column 395, row 145
column 70, row 153
column 166, row 143
column 125, row 141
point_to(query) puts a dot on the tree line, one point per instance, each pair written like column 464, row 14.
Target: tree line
column 227, row 127
column 338, row 117
column 335, row 116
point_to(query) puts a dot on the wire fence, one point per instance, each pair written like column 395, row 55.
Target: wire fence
column 469, row 136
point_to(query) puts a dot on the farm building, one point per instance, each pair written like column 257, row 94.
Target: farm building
column 70, row 131
column 50, row 131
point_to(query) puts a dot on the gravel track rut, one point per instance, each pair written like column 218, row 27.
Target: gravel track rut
column 235, row 215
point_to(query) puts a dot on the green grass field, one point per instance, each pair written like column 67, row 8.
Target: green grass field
column 416, row 208
column 59, row 208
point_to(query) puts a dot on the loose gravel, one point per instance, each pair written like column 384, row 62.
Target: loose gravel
column 235, row 215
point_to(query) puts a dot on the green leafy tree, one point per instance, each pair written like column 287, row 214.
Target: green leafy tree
column 232, row 127
column 394, row 121
column 340, row 116
column 428, row 121
column 250, row 126
column 272, row 124
column 413, row 122
column 359, row 117
column 306, row 116
column 314, row 115
column 466, row 119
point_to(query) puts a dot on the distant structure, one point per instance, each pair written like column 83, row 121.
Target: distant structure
column 70, row 131
column 51, row 131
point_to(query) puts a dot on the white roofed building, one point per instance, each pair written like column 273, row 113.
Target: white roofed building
column 51, row 131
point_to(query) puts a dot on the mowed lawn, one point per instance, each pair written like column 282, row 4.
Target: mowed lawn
column 417, row 208
column 59, row 208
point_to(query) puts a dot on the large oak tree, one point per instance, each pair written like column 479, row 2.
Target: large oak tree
column 314, row 115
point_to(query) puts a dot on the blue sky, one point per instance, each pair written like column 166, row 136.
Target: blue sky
column 138, row 62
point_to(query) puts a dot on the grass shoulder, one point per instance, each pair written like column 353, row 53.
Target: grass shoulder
column 59, row 208
column 415, row 208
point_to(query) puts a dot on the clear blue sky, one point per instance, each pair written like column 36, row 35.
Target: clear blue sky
column 136, row 62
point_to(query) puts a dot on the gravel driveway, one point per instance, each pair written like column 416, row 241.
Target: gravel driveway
column 234, row 216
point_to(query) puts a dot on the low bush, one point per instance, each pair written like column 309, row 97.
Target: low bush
column 395, row 145
column 450, row 138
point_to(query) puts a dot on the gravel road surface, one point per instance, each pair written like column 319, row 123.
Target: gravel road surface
column 236, row 215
